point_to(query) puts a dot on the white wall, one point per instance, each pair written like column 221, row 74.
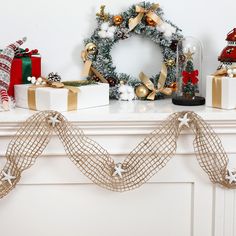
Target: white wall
column 57, row 29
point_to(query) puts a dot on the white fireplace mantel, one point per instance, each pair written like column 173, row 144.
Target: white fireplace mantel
column 54, row 198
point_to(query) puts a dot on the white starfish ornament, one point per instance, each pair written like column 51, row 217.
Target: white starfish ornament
column 118, row 170
column 53, row 120
column 231, row 177
column 184, row 121
column 8, row 177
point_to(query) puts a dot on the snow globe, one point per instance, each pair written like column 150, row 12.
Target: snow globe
column 189, row 73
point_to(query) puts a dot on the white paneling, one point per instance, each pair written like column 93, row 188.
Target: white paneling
column 60, row 170
column 234, row 207
column 55, row 198
column 156, row 209
column 202, row 209
column 114, row 143
column 229, row 220
column 218, row 213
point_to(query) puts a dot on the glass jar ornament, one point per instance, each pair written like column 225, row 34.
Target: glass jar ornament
column 188, row 73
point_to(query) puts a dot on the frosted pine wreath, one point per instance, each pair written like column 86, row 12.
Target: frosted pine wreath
column 147, row 20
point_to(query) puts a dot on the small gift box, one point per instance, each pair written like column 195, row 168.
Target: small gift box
column 25, row 64
column 220, row 92
column 61, row 98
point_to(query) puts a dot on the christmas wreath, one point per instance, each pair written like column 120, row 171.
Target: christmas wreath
column 147, row 20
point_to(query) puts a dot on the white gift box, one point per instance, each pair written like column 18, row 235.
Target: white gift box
column 221, row 93
column 47, row 98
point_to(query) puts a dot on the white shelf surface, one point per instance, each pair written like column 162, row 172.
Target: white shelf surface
column 127, row 111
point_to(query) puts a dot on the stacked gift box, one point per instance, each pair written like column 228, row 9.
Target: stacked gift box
column 25, row 63
column 221, row 85
column 33, row 92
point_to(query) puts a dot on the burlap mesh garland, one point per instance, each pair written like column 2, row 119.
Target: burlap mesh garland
column 150, row 155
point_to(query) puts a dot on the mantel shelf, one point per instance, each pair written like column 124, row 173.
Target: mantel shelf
column 127, row 111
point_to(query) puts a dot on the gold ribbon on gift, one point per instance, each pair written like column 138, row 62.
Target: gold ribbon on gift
column 161, row 84
column 216, row 91
column 72, row 98
column 88, row 68
column 217, row 87
column 133, row 22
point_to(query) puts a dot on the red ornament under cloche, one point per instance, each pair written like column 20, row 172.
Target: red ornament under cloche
column 229, row 52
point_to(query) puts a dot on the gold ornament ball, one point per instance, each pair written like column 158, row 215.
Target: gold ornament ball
column 91, row 48
column 141, row 91
column 117, row 20
column 150, row 21
column 170, row 62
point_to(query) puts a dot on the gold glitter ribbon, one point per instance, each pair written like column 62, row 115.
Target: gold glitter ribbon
column 133, row 22
column 161, row 84
column 72, row 98
column 88, row 68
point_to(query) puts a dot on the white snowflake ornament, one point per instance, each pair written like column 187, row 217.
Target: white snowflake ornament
column 107, row 31
column 166, row 29
column 184, row 121
column 118, row 170
column 53, row 120
column 8, row 177
column 126, row 92
column 231, row 176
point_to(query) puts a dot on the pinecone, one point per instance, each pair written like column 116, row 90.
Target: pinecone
column 51, row 78
column 122, row 33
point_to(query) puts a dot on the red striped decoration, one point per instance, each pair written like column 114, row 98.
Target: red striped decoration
column 4, row 95
column 5, row 57
column 4, row 67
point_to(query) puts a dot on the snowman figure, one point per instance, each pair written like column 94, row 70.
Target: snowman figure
column 228, row 55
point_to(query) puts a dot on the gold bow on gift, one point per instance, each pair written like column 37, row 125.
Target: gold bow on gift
column 88, row 68
column 161, row 84
column 133, row 22
column 221, row 72
column 72, row 94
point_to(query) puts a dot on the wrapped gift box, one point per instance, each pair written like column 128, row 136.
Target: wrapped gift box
column 48, row 98
column 22, row 68
column 221, row 92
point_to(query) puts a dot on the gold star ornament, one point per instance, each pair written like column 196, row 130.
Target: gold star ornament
column 189, row 55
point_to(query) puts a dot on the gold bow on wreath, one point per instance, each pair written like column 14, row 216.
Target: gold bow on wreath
column 160, row 85
column 88, row 68
column 133, row 22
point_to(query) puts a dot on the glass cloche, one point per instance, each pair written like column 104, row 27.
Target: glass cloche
column 189, row 73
